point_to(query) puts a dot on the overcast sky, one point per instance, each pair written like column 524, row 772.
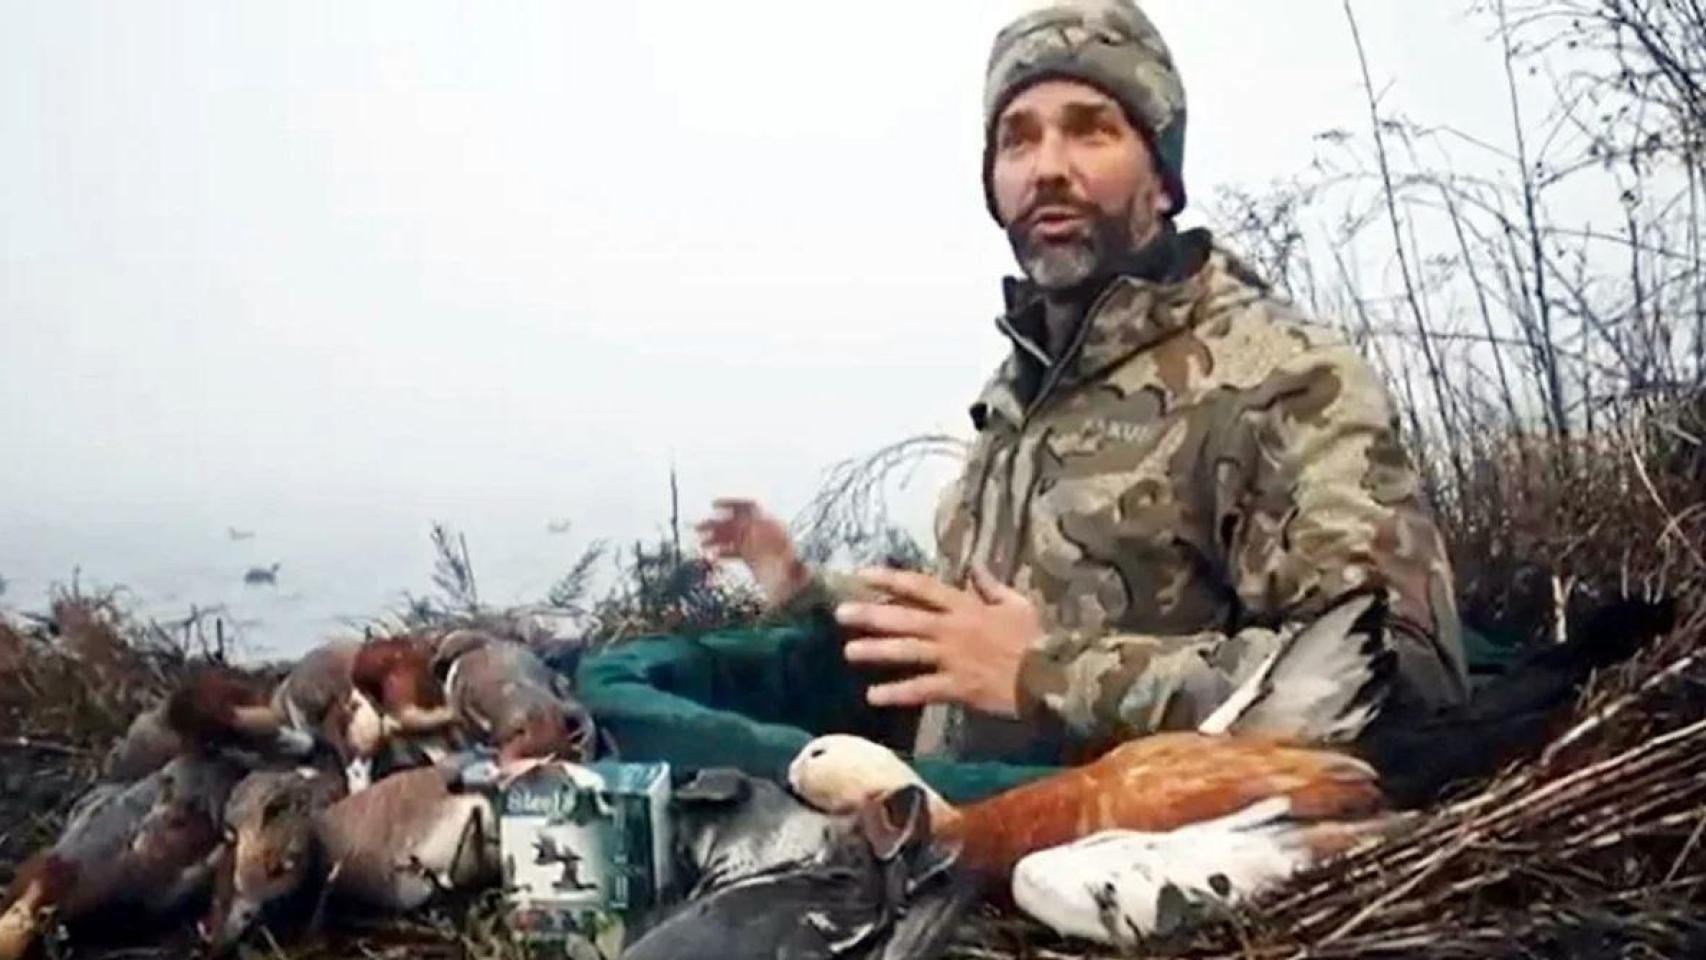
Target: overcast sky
column 417, row 255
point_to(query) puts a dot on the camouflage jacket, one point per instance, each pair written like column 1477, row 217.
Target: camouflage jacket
column 1202, row 470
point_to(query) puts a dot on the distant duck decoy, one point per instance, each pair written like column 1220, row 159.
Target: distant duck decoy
column 235, row 534
column 149, row 845
column 504, row 694
column 259, row 576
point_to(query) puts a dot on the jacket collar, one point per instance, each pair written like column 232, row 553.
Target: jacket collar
column 1152, row 296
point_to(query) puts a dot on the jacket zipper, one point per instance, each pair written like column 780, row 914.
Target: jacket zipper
column 1022, row 524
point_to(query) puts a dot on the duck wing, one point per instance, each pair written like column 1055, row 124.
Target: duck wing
column 1512, row 715
column 1324, row 683
column 730, row 826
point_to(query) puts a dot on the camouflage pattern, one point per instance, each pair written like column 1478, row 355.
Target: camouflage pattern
column 1202, row 471
column 1109, row 44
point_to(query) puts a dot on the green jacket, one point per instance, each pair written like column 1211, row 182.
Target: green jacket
column 1202, row 470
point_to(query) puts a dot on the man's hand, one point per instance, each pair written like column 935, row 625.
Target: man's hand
column 971, row 642
column 742, row 531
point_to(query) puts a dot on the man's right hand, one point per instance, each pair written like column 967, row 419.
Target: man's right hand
column 741, row 530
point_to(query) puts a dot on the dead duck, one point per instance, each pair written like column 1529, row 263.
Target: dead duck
column 1157, row 828
column 214, row 710
column 887, row 889
column 396, row 674
column 507, row 697
column 729, row 826
column 319, row 697
column 1154, row 784
column 297, row 836
column 149, row 846
column 1324, row 683
column 1122, row 886
column 271, row 854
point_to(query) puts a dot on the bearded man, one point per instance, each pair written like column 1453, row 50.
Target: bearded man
column 1172, row 470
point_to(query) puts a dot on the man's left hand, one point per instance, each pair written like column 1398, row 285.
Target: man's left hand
column 971, row 642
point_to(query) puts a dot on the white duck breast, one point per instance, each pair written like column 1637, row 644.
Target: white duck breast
column 1120, row 886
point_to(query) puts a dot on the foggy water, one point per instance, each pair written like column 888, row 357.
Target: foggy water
column 343, row 560
column 338, row 564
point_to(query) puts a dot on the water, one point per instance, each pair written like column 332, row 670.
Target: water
column 339, row 564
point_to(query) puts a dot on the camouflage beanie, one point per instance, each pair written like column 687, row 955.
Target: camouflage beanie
column 1108, row 44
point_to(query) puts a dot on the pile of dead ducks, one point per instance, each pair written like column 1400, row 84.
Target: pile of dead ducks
column 361, row 780
column 349, row 781
column 228, row 804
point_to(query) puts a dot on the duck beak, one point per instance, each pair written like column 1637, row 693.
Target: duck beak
column 238, row 919
column 18, row 928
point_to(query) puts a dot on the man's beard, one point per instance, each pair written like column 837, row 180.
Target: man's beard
column 1064, row 264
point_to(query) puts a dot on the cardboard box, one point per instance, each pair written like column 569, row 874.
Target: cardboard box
column 586, row 849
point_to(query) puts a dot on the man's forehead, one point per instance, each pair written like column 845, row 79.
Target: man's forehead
column 1055, row 96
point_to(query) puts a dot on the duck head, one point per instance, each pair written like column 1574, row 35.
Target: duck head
column 271, row 848
column 396, row 674
column 553, row 730
column 839, row 773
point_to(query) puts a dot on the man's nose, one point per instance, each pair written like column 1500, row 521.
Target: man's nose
column 1051, row 161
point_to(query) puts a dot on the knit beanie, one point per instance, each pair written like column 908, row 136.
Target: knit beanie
column 1108, row 44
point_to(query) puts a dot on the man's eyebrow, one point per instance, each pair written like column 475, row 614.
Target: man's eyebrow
column 1080, row 110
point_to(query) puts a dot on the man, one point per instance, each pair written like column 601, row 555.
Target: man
column 1171, row 469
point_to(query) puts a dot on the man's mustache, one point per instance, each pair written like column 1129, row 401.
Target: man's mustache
column 1053, row 200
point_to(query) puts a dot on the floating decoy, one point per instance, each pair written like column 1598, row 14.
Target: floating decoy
column 257, row 576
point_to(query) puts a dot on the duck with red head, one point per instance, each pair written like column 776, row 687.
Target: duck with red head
column 216, row 710
column 319, row 697
column 396, row 674
column 147, row 846
column 503, row 693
